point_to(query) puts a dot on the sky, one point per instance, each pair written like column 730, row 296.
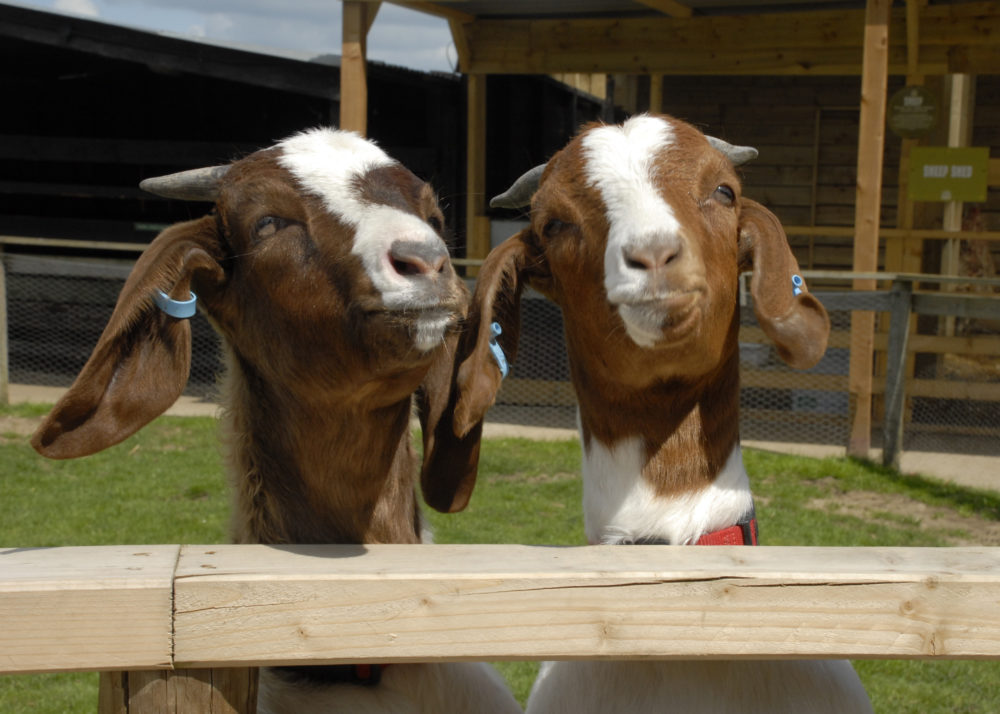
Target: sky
column 311, row 27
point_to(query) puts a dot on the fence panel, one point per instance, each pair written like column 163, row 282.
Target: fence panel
column 57, row 307
column 251, row 605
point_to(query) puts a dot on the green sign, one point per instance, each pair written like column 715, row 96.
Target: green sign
column 939, row 173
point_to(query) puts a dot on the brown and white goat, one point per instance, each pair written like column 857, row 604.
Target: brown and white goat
column 324, row 271
column 639, row 233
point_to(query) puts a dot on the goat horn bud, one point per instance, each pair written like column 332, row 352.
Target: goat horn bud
column 736, row 154
column 194, row 185
column 520, row 193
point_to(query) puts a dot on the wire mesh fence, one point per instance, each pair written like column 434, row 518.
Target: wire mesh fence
column 58, row 307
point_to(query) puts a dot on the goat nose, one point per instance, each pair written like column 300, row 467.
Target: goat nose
column 651, row 257
column 415, row 258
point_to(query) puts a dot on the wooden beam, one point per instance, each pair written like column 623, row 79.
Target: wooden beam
column 357, row 16
column 867, row 214
column 961, row 106
column 900, row 254
column 436, row 9
column 229, row 690
column 459, row 35
column 65, row 609
column 371, row 12
column 4, row 340
column 477, row 224
column 249, row 605
column 913, row 9
column 814, row 42
column 656, row 93
column 237, row 605
column 672, row 8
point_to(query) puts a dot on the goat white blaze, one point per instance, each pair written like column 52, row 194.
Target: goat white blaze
column 620, row 505
column 327, row 163
column 620, row 163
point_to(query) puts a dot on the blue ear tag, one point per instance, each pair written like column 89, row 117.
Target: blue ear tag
column 797, row 283
column 181, row 309
column 497, row 350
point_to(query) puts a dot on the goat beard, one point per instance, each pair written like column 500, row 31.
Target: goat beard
column 654, row 322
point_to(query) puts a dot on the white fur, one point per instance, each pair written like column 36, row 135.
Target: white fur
column 619, row 505
column 404, row 689
column 317, row 159
column 698, row 687
column 620, row 163
column 326, row 162
column 431, row 328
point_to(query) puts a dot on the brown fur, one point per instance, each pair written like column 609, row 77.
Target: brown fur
column 682, row 395
column 320, row 375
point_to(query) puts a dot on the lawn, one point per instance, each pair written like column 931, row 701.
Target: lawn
column 166, row 485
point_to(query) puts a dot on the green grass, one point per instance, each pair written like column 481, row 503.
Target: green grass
column 166, row 485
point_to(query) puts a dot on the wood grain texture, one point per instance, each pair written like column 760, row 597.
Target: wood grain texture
column 411, row 603
column 86, row 608
column 250, row 605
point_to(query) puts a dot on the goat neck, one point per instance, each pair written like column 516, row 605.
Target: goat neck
column 323, row 472
column 662, row 460
column 687, row 426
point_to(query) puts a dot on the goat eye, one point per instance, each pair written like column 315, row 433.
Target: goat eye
column 724, row 195
column 554, row 226
column 268, row 226
column 435, row 223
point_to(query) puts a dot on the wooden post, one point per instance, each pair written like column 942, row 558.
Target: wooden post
column 961, row 103
column 867, row 211
column 4, row 342
column 656, row 93
column 217, row 691
column 477, row 224
column 895, row 396
column 357, row 19
column 903, row 255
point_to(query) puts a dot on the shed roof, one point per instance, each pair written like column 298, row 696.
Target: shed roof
column 714, row 36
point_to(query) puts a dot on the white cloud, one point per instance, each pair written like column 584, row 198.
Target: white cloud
column 86, row 8
column 307, row 27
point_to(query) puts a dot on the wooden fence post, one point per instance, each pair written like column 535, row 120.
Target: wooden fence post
column 4, row 342
column 867, row 206
column 901, row 302
column 206, row 691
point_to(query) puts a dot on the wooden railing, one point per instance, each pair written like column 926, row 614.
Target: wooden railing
column 199, row 618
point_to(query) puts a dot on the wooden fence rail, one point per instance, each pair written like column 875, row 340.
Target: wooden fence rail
column 173, row 623
column 162, row 607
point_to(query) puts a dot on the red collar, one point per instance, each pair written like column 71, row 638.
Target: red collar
column 743, row 533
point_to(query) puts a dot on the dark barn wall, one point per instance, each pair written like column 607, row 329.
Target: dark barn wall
column 95, row 108
column 529, row 118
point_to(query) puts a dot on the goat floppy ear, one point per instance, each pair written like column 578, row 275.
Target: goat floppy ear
column 450, row 462
column 794, row 320
column 141, row 362
column 457, row 391
column 497, row 299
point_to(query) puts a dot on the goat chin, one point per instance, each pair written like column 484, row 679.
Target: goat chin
column 430, row 688
column 716, row 687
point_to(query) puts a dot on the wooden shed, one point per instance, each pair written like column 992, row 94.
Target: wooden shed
column 809, row 83
column 97, row 107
